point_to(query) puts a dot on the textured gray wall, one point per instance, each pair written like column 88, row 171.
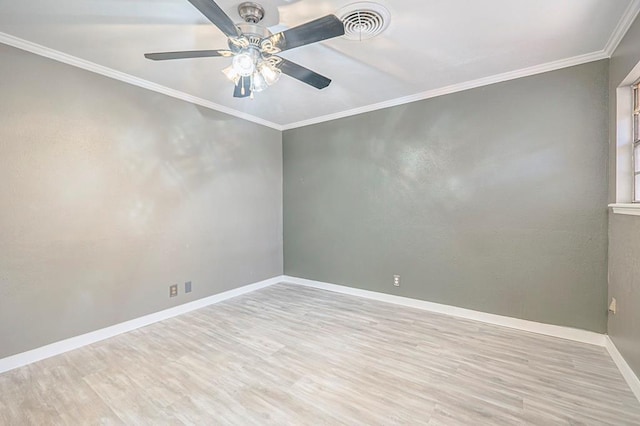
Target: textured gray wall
column 624, row 285
column 624, row 231
column 110, row 193
column 492, row 199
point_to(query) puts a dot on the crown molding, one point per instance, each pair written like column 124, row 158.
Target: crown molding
column 623, row 26
column 37, row 49
column 459, row 87
column 128, row 78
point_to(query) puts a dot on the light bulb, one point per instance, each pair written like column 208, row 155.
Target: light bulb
column 231, row 74
column 270, row 74
column 243, row 64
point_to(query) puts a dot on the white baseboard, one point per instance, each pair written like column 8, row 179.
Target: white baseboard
column 583, row 336
column 57, row 348
column 626, row 371
column 568, row 333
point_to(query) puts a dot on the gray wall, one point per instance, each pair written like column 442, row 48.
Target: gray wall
column 110, row 193
column 492, row 199
column 624, row 231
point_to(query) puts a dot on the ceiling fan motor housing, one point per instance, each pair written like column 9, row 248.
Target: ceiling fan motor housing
column 252, row 37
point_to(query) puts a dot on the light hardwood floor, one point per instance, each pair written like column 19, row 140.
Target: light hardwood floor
column 294, row 355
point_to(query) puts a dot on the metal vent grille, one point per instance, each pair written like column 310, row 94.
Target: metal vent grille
column 363, row 20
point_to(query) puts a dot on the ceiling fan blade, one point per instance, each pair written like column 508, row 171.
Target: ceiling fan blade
column 216, row 15
column 163, row 56
column 321, row 29
column 303, row 74
column 242, row 82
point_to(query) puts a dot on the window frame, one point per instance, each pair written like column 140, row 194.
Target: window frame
column 635, row 138
column 624, row 177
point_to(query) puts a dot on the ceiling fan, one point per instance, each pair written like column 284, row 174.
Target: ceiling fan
column 255, row 65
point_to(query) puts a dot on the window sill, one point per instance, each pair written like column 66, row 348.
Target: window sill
column 626, row 208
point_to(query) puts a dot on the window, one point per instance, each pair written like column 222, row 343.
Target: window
column 627, row 145
column 636, row 141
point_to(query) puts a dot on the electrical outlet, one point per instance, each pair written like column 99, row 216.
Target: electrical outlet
column 613, row 308
column 173, row 290
column 396, row 280
column 187, row 287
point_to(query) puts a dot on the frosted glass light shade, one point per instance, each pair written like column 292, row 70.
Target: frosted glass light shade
column 231, row 74
column 270, row 74
column 243, row 64
column 258, row 82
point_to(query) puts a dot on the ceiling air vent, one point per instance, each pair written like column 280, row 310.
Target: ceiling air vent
column 363, row 20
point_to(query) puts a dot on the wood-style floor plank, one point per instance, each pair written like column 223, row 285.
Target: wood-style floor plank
column 300, row 356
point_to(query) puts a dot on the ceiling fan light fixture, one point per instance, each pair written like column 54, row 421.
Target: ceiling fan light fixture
column 254, row 66
column 244, row 64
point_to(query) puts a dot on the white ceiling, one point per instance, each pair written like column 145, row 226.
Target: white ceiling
column 431, row 47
